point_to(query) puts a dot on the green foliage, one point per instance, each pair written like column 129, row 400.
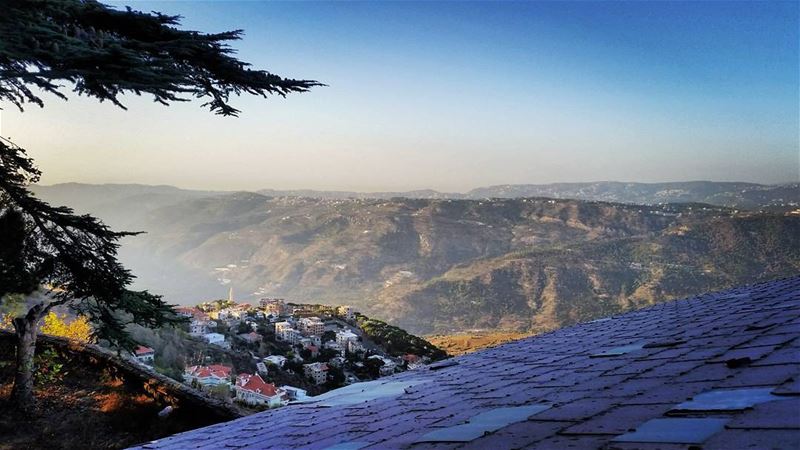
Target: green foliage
column 243, row 328
column 74, row 256
column 328, row 335
column 49, row 367
column 397, row 341
column 335, row 378
column 105, row 53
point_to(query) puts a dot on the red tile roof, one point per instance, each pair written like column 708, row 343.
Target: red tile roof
column 215, row 370
column 254, row 383
column 141, row 350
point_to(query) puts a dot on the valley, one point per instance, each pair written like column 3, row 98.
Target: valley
column 442, row 265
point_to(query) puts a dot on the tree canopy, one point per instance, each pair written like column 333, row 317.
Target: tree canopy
column 105, row 52
column 73, row 256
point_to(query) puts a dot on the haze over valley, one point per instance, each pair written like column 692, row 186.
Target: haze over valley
column 440, row 263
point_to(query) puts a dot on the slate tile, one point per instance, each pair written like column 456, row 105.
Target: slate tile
column 670, row 369
column 761, row 376
column 779, row 414
column 753, row 440
column 675, row 392
column 786, row 355
column 591, row 395
column 570, row 443
column 707, row 372
column 647, row 446
column 752, row 353
column 518, row 435
column 618, row 420
column 577, row 410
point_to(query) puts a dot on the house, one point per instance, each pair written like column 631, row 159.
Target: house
column 215, row 339
column 294, row 393
column 274, row 306
column 343, row 337
column 262, row 368
column 291, row 336
column 311, row 326
column 278, row 360
column 355, row 347
column 314, row 350
column 187, row 312
column 284, row 331
column 212, row 375
column 413, row 362
column 144, row 355
column 388, row 365
column 253, row 390
column 200, row 326
column 316, row 372
column 251, row 338
column 346, row 312
column 332, row 345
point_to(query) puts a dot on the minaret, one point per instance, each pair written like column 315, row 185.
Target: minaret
column 230, row 294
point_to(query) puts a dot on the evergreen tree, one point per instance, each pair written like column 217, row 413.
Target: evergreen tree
column 49, row 254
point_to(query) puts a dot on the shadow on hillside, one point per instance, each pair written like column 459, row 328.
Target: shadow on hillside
column 99, row 401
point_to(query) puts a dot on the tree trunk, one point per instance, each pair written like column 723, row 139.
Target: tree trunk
column 22, row 392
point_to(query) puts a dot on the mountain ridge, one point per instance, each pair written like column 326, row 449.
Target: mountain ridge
column 440, row 265
column 719, row 193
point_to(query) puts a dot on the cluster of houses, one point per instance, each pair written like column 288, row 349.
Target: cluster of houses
column 299, row 326
column 250, row 389
column 307, row 333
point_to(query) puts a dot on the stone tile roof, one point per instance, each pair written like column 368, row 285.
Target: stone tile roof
column 720, row 370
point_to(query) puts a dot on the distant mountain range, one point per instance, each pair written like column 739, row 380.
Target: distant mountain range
column 442, row 265
column 731, row 194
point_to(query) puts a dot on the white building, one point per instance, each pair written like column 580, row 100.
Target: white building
column 317, row 372
column 311, row 326
column 199, row 327
column 274, row 306
column 347, row 312
column 284, row 331
column 355, row 347
column 291, row 336
column 253, row 390
column 345, row 336
column 332, row 345
column 388, row 365
column 215, row 338
column 144, row 355
column 295, row 393
column 278, row 360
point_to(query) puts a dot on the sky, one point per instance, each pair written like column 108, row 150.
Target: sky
column 457, row 95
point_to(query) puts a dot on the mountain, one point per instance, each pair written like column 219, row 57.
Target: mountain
column 439, row 265
column 730, row 194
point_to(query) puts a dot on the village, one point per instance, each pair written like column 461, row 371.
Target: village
column 274, row 353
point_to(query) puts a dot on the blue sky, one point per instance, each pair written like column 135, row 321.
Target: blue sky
column 455, row 95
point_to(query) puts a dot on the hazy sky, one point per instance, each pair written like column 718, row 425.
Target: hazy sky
column 457, row 95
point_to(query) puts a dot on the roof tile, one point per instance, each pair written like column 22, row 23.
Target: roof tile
column 742, row 338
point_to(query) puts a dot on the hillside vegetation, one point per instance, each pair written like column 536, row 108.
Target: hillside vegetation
column 443, row 265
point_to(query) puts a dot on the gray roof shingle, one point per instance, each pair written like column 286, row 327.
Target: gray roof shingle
column 608, row 384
